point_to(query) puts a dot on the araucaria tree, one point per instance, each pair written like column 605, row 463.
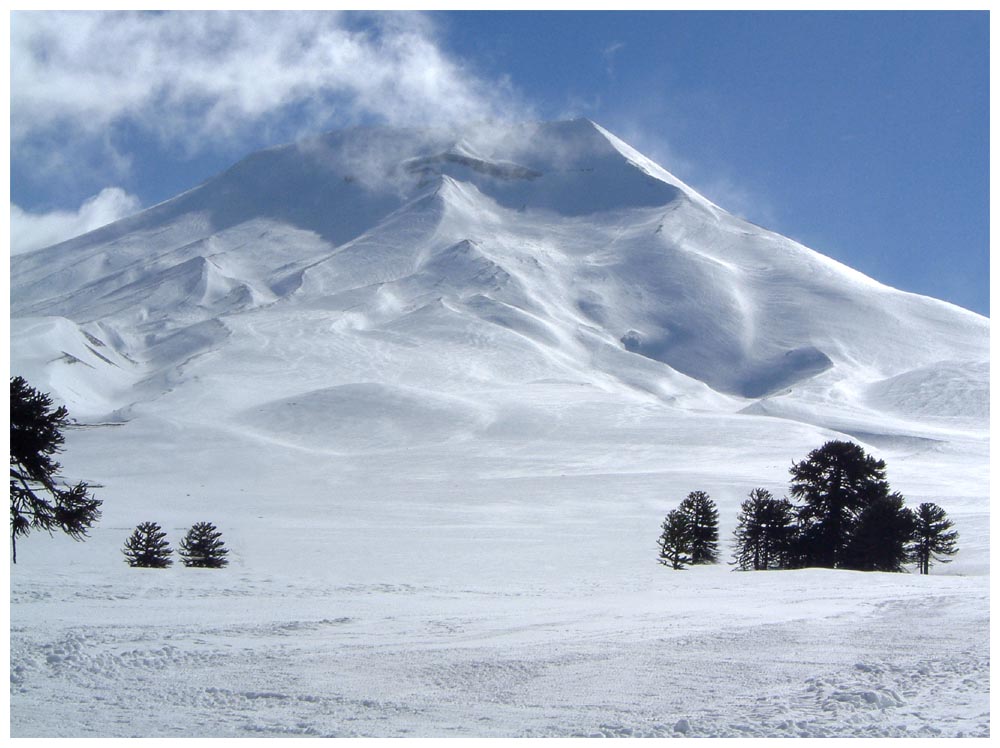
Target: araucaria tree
column 147, row 546
column 703, row 527
column 881, row 536
column 675, row 540
column 37, row 499
column 765, row 531
column 932, row 537
column 836, row 483
column 203, row 547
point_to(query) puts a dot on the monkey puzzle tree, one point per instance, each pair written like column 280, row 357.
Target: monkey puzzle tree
column 675, row 540
column 147, row 547
column 836, row 483
column 202, row 546
column 703, row 522
column 932, row 537
column 765, row 530
column 881, row 536
column 37, row 500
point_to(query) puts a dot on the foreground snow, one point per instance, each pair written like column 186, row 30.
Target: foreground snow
column 707, row 653
column 471, row 590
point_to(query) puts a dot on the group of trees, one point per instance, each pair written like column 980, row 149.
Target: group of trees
column 847, row 518
column 148, row 547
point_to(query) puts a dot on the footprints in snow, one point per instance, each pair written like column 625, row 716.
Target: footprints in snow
column 82, row 658
column 871, row 700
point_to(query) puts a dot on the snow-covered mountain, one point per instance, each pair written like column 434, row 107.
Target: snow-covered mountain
column 438, row 390
column 491, row 258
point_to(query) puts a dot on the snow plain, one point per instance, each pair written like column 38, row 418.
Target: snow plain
column 438, row 394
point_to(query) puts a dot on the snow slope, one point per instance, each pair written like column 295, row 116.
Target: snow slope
column 438, row 390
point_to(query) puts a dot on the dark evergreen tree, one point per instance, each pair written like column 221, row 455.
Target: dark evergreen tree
column 147, row 546
column 203, row 547
column 765, row 531
column 932, row 537
column 836, row 482
column 675, row 540
column 881, row 536
column 703, row 519
column 37, row 500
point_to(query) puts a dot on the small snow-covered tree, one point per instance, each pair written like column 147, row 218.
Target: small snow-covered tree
column 675, row 540
column 932, row 537
column 765, row 531
column 148, row 547
column 203, row 547
column 703, row 520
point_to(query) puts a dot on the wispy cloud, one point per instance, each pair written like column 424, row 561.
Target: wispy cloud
column 30, row 231
column 608, row 53
column 196, row 80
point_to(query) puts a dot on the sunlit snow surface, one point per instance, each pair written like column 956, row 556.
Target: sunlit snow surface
column 438, row 393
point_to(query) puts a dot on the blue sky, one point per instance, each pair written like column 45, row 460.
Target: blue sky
column 863, row 135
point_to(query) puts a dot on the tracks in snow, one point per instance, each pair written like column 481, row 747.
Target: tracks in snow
column 384, row 662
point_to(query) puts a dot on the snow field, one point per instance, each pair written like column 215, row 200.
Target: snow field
column 378, row 593
column 701, row 656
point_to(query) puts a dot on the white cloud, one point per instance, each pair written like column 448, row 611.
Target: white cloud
column 195, row 79
column 30, row 231
column 608, row 53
